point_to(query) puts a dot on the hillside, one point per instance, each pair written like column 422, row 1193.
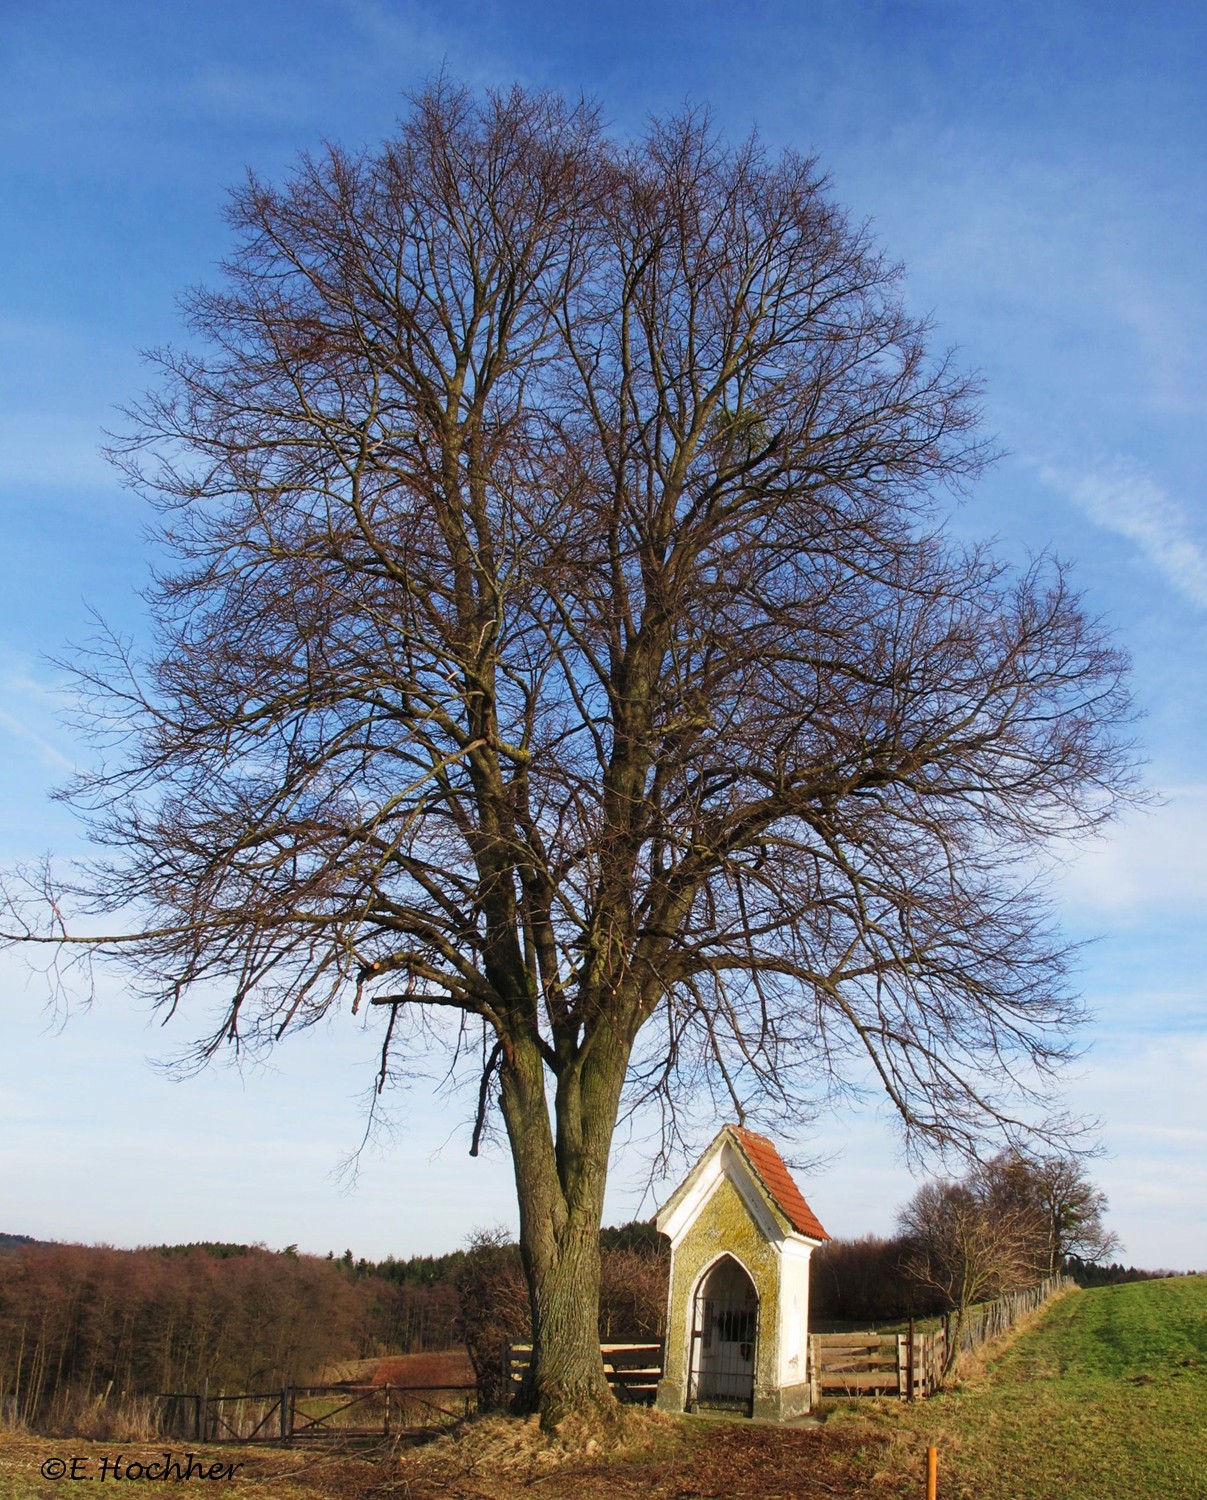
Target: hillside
column 1105, row 1396
column 18, row 1241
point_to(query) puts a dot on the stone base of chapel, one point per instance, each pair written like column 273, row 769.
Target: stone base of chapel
column 669, row 1396
column 781, row 1403
column 776, row 1404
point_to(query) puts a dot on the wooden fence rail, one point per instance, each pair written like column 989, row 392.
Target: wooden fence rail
column 856, row 1364
column 633, row 1370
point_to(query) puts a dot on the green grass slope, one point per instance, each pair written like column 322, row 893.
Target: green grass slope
column 1104, row 1398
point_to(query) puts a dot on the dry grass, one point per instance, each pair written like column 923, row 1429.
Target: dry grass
column 259, row 1473
column 442, row 1367
column 647, row 1456
column 643, row 1456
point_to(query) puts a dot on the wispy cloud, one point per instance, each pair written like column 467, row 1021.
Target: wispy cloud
column 1149, row 1095
column 49, row 755
column 40, row 450
column 1167, row 321
column 1154, row 858
column 247, row 94
column 413, row 40
column 1122, row 498
column 29, row 710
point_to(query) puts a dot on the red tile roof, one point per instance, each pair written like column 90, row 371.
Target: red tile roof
column 769, row 1168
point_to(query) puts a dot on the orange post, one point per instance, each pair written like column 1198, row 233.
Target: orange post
column 932, row 1473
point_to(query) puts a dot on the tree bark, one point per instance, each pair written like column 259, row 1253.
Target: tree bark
column 561, row 1173
column 566, row 1374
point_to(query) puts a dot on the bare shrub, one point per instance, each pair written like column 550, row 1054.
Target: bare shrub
column 494, row 1310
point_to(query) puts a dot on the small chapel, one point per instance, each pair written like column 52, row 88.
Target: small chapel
column 741, row 1233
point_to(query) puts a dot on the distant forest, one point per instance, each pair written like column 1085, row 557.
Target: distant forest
column 85, row 1323
column 81, row 1324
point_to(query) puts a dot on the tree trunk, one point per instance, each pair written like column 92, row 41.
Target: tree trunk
column 566, row 1376
column 954, row 1332
column 560, row 1186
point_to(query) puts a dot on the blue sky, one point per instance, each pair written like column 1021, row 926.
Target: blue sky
column 1039, row 169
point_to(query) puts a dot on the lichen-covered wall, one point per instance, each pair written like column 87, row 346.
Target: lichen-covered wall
column 725, row 1226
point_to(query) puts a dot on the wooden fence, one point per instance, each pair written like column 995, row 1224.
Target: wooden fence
column 877, row 1364
column 633, row 1370
column 988, row 1319
column 907, row 1365
column 913, row 1364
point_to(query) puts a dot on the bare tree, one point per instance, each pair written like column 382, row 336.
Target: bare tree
column 563, row 645
column 964, row 1248
column 1065, row 1208
column 1009, row 1223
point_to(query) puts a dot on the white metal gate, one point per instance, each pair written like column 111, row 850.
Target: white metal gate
column 725, row 1318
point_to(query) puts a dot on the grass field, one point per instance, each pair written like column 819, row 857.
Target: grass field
column 1104, row 1397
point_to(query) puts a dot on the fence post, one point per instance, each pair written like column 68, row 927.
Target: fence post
column 913, row 1367
column 284, row 1409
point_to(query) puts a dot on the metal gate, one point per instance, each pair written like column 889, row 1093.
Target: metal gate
column 725, row 1322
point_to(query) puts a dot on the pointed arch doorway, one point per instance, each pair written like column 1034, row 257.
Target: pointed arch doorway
column 724, row 1341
